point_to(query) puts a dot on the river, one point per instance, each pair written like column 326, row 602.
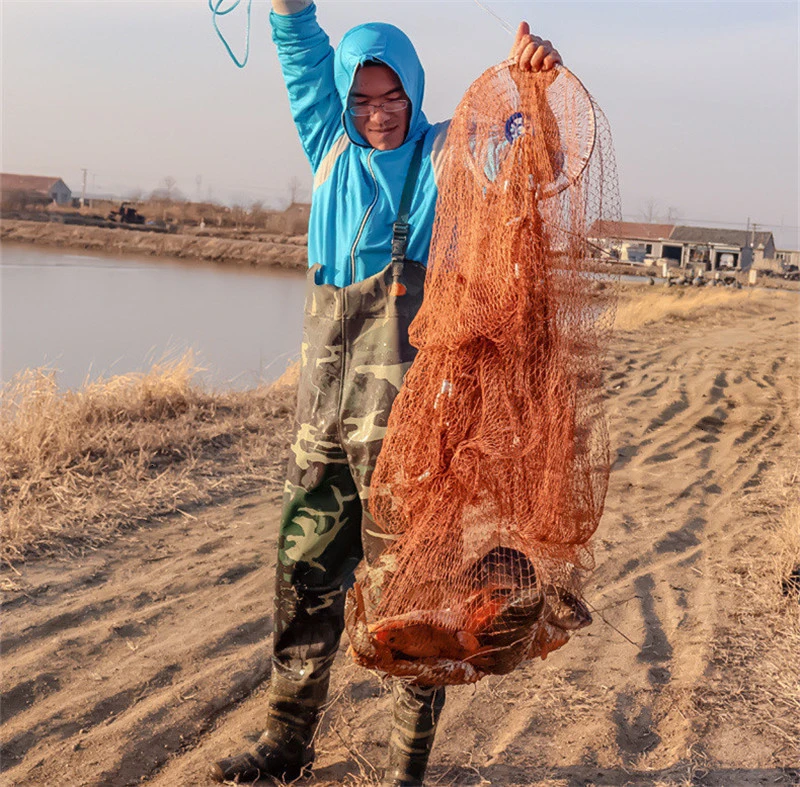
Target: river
column 88, row 315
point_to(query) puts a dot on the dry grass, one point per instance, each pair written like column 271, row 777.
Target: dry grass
column 788, row 556
column 756, row 655
column 638, row 307
column 78, row 465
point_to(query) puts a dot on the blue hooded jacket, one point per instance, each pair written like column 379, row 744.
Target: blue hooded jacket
column 357, row 189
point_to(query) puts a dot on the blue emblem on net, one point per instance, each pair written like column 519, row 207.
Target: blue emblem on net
column 515, row 126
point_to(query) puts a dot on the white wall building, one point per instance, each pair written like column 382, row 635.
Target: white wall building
column 683, row 246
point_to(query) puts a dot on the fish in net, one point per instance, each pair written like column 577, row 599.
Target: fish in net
column 494, row 467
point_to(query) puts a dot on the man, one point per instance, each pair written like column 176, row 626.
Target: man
column 374, row 156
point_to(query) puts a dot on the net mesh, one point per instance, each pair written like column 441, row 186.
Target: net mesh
column 494, row 467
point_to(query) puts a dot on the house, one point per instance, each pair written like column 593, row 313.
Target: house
column 705, row 247
column 296, row 217
column 631, row 241
column 716, row 248
column 34, row 188
column 787, row 258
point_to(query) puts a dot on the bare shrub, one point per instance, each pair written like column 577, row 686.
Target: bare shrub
column 21, row 200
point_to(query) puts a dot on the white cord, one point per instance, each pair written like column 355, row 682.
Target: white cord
column 500, row 19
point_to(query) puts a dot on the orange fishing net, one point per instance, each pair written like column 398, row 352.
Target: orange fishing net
column 495, row 464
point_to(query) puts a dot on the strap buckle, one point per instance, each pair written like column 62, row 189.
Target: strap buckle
column 399, row 240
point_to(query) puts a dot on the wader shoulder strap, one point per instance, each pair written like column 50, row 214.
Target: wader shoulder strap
column 400, row 227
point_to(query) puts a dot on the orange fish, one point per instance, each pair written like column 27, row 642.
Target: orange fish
column 447, row 634
column 420, row 639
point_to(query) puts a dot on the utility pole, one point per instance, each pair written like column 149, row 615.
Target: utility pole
column 199, row 183
column 83, row 195
column 753, row 244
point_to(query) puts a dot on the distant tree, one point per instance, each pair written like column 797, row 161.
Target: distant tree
column 649, row 213
column 258, row 215
column 297, row 191
column 169, row 186
column 167, row 192
column 238, row 214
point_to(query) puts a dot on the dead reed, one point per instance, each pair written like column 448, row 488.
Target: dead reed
column 76, row 466
column 638, row 307
column 756, row 652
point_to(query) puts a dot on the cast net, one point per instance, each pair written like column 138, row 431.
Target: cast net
column 494, row 467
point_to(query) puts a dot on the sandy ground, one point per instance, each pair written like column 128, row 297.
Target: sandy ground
column 142, row 660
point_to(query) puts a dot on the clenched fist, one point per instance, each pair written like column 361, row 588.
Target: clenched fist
column 531, row 53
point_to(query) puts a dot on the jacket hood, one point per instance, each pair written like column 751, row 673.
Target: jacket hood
column 387, row 44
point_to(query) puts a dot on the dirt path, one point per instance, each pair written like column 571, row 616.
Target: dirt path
column 140, row 661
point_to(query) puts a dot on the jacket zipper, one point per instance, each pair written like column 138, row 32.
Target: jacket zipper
column 364, row 222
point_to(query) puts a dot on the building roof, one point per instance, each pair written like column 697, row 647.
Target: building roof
column 43, row 183
column 630, row 230
column 739, row 238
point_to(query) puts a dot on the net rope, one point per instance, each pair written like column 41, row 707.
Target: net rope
column 494, row 468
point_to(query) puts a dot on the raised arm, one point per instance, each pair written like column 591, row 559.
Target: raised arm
column 306, row 58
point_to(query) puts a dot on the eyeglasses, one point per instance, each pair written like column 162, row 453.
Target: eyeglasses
column 362, row 110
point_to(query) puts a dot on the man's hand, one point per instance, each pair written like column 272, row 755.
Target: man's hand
column 531, row 53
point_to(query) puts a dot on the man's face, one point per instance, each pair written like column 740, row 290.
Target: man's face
column 378, row 84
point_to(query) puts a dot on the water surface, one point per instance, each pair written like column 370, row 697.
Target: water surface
column 90, row 314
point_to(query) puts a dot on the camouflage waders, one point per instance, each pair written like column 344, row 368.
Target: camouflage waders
column 355, row 353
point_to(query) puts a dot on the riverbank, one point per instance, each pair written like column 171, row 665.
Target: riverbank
column 280, row 251
column 224, row 246
column 229, row 247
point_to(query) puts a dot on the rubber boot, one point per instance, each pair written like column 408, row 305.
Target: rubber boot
column 285, row 749
column 415, row 716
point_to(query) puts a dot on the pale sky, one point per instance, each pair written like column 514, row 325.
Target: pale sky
column 702, row 97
